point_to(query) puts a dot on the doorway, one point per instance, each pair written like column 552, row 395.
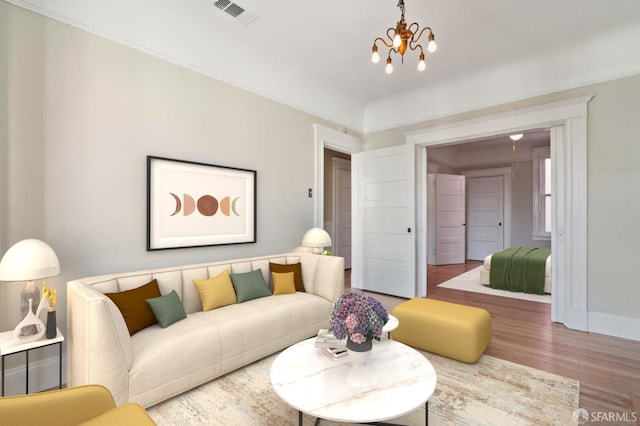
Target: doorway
column 337, row 202
column 567, row 121
column 494, row 168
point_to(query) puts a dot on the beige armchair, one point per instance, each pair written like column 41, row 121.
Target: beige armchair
column 82, row 405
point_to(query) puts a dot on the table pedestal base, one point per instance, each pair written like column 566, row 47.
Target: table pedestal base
column 426, row 418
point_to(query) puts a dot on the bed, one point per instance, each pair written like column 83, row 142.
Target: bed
column 485, row 273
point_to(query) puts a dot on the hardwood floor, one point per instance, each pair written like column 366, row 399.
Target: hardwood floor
column 608, row 367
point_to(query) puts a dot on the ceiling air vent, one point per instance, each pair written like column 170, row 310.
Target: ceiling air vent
column 236, row 11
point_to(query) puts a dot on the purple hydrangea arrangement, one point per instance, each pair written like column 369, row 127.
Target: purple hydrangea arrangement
column 358, row 316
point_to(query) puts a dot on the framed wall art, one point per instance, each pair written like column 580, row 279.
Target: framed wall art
column 193, row 204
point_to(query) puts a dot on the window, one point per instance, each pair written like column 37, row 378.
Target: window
column 541, row 179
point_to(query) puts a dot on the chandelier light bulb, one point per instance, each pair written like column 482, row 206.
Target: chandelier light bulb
column 375, row 58
column 432, row 46
column 389, row 68
column 397, row 41
column 422, row 64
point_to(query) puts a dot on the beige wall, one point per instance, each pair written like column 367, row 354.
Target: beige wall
column 83, row 113
column 613, row 176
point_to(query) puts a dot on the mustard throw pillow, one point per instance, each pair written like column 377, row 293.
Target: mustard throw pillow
column 134, row 307
column 216, row 292
column 283, row 283
column 296, row 268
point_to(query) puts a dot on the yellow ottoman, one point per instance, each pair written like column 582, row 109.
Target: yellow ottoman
column 455, row 331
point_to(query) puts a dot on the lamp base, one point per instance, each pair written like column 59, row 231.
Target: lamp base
column 29, row 292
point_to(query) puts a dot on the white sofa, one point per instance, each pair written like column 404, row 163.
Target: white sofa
column 158, row 363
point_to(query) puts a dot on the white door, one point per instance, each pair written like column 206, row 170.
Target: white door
column 449, row 219
column 384, row 209
column 486, row 216
column 342, row 209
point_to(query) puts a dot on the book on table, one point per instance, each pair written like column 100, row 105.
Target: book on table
column 335, row 352
column 326, row 339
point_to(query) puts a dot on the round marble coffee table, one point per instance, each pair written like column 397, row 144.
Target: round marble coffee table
column 396, row 380
column 391, row 325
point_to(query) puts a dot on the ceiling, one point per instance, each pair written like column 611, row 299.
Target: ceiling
column 315, row 55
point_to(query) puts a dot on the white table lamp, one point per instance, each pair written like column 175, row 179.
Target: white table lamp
column 29, row 260
column 317, row 238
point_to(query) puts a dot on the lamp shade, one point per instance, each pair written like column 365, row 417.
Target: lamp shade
column 29, row 260
column 317, row 238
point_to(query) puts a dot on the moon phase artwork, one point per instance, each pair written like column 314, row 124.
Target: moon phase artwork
column 207, row 205
column 193, row 204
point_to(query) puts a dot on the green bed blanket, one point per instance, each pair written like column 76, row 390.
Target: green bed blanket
column 520, row 269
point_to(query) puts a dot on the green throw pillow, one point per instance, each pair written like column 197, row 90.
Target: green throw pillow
column 167, row 309
column 249, row 285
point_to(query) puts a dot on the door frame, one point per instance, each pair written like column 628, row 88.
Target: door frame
column 505, row 172
column 568, row 122
column 326, row 137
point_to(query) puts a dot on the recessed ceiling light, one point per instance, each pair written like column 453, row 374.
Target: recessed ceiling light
column 516, row 136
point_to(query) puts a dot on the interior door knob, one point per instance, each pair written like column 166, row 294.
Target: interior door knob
column 500, row 224
column 409, row 230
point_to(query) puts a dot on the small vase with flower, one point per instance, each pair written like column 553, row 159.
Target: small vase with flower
column 50, row 295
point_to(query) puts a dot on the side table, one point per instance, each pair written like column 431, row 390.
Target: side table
column 9, row 346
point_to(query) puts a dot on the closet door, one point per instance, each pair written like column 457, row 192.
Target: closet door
column 449, row 219
column 486, row 216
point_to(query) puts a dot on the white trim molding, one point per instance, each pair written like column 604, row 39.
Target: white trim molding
column 568, row 122
column 326, row 137
column 614, row 325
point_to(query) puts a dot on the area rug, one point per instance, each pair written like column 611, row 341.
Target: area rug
column 470, row 281
column 489, row 392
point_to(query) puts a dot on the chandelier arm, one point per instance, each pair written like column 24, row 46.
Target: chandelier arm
column 393, row 49
column 391, row 33
column 383, row 41
column 416, row 47
column 415, row 39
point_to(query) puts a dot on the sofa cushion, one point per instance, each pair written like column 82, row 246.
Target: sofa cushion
column 249, row 285
column 167, row 309
column 133, row 305
column 296, row 268
column 190, row 296
column 283, row 283
column 216, row 292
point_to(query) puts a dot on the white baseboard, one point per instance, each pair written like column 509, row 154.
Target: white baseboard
column 43, row 374
column 614, row 325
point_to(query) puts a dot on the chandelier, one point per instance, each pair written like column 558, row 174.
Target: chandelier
column 400, row 38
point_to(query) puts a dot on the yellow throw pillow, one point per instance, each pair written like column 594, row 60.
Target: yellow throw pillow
column 296, row 268
column 216, row 292
column 283, row 283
